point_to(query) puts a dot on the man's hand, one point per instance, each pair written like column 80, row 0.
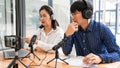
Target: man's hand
column 72, row 27
column 92, row 59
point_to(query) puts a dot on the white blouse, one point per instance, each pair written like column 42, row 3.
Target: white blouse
column 46, row 42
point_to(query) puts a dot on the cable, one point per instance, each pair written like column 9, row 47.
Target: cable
column 43, row 58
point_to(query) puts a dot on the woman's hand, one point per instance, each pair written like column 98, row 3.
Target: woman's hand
column 27, row 40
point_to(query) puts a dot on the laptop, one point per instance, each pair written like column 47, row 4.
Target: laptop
column 10, row 52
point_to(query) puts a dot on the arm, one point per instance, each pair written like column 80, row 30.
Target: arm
column 72, row 27
column 110, row 42
column 67, row 48
column 112, row 49
column 53, row 39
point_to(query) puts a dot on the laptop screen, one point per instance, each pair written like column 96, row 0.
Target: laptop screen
column 10, row 41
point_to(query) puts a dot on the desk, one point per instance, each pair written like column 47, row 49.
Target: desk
column 4, row 63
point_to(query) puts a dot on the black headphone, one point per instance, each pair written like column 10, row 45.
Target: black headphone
column 51, row 13
column 87, row 12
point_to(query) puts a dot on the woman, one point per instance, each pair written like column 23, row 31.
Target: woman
column 49, row 34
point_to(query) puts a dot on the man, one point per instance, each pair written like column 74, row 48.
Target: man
column 91, row 39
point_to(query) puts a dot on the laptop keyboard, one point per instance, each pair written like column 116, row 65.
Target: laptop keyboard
column 11, row 53
column 22, row 53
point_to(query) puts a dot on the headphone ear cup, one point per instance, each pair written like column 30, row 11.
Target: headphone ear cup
column 87, row 13
column 52, row 17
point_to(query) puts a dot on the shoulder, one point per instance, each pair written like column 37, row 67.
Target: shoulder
column 100, row 25
column 102, row 28
column 59, row 29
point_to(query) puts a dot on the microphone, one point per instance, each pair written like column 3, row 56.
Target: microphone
column 41, row 26
column 60, row 44
column 32, row 41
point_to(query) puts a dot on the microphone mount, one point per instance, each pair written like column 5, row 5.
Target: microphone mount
column 55, row 48
column 32, row 41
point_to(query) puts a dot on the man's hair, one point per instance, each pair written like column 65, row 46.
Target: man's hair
column 82, row 5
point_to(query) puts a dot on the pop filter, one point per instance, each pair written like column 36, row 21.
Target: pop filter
column 32, row 41
column 60, row 44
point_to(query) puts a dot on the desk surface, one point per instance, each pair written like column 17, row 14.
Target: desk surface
column 4, row 63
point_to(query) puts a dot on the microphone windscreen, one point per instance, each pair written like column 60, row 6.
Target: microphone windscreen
column 32, row 41
column 60, row 44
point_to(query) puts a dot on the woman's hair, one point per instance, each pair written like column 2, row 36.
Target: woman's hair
column 50, row 12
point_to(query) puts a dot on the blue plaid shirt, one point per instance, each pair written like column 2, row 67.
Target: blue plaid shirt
column 97, row 39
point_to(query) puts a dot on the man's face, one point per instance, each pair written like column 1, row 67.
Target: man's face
column 77, row 17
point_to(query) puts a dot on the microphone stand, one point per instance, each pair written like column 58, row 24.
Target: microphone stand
column 56, row 57
column 13, row 63
column 32, row 52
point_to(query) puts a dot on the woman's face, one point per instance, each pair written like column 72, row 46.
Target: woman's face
column 45, row 18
